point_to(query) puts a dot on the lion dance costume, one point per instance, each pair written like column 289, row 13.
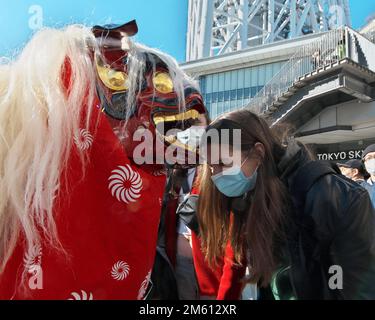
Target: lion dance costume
column 78, row 216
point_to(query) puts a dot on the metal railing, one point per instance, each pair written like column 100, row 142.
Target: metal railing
column 365, row 49
column 370, row 36
column 328, row 50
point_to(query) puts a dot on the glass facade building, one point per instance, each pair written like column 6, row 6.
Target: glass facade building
column 230, row 90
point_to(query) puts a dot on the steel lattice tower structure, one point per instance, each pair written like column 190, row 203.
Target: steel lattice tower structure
column 220, row 26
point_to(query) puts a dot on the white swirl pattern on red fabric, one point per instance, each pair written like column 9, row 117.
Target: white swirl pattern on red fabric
column 144, row 285
column 118, row 180
column 83, row 140
column 82, row 296
column 33, row 259
column 120, row 271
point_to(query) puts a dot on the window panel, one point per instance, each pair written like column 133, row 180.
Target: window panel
column 202, row 84
column 227, row 81
column 246, row 93
column 226, row 95
column 276, row 68
column 248, row 74
column 209, row 106
column 220, row 108
column 221, row 81
column 233, row 79
column 215, row 97
column 240, row 78
column 213, row 110
column 209, row 97
column 209, row 83
column 269, row 72
column 226, row 106
column 240, row 93
column 254, row 77
column 221, row 96
column 233, row 104
column 261, row 75
column 215, row 83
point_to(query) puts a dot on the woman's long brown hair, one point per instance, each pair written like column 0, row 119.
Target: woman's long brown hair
column 256, row 231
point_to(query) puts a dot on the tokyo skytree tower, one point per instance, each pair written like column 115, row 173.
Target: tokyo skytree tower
column 221, row 26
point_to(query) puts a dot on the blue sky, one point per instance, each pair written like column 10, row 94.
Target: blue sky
column 360, row 10
column 162, row 23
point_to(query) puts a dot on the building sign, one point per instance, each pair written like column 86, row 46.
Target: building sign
column 340, row 155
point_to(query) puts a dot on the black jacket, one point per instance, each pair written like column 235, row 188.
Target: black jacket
column 333, row 228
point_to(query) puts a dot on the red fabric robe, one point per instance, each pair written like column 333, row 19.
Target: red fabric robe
column 223, row 281
column 107, row 222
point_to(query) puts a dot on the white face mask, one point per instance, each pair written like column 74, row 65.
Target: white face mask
column 191, row 136
column 370, row 166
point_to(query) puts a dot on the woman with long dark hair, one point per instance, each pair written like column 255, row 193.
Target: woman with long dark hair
column 307, row 232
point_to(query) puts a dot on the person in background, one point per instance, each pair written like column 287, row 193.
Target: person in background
column 185, row 273
column 303, row 220
column 216, row 281
column 355, row 170
column 368, row 158
column 317, row 59
column 173, row 276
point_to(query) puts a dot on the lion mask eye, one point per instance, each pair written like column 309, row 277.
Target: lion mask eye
column 112, row 79
column 163, row 82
